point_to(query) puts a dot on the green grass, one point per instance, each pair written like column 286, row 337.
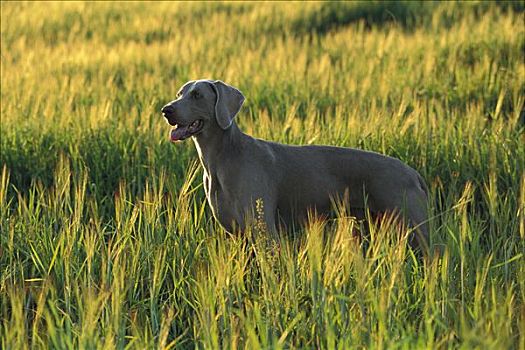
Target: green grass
column 106, row 238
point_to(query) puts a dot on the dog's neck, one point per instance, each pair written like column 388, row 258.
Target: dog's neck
column 215, row 144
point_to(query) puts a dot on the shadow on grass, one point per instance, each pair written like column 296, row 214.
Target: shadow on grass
column 333, row 15
column 109, row 155
column 407, row 14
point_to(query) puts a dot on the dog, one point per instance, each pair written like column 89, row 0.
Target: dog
column 290, row 181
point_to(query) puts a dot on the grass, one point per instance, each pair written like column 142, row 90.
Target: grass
column 106, row 238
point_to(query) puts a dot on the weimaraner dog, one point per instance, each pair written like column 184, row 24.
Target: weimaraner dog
column 291, row 181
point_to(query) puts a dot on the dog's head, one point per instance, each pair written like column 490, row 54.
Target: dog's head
column 200, row 106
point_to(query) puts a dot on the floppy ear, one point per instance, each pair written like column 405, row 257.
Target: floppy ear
column 228, row 103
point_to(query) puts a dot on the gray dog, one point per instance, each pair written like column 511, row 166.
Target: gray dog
column 291, row 181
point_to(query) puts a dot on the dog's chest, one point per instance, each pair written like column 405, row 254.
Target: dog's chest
column 223, row 206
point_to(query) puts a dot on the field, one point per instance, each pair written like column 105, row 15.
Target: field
column 106, row 240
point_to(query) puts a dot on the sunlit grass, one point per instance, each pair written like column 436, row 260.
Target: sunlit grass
column 106, row 238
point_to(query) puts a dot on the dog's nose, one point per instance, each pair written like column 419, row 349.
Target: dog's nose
column 167, row 109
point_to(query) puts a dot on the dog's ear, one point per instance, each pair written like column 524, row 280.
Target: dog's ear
column 228, row 103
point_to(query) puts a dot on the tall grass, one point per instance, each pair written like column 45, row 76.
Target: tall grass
column 106, row 238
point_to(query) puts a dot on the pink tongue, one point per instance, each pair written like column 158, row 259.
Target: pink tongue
column 179, row 133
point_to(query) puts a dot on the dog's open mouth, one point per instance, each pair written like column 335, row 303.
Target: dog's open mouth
column 182, row 132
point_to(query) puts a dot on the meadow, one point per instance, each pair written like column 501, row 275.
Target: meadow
column 106, row 240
